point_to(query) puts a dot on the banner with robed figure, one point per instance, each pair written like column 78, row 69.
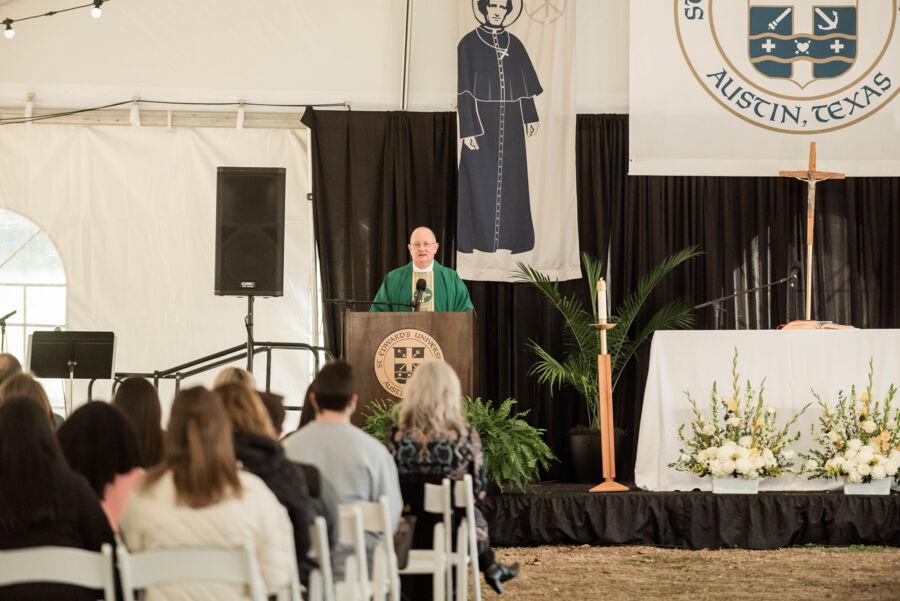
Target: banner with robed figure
column 516, row 116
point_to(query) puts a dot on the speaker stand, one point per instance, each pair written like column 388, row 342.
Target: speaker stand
column 248, row 323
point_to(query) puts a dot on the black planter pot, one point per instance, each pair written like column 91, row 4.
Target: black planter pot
column 584, row 446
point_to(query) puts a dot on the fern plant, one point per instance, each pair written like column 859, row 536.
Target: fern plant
column 514, row 451
column 578, row 368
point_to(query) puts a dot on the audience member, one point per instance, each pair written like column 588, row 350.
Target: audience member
column 138, row 399
column 22, row 384
column 9, row 366
column 235, row 375
column 274, row 404
column 357, row 465
column 99, row 443
column 258, row 450
column 43, row 501
column 432, row 438
column 197, row 496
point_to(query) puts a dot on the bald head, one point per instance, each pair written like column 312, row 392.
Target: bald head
column 422, row 247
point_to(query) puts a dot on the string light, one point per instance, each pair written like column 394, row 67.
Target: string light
column 96, row 12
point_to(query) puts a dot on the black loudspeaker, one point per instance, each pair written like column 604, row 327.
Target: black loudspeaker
column 250, row 231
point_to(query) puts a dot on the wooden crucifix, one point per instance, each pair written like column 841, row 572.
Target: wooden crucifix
column 811, row 177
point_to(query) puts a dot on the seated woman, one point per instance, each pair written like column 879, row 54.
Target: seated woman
column 260, row 453
column 44, row 502
column 137, row 398
column 197, row 496
column 99, row 443
column 432, row 439
column 23, row 384
column 235, row 375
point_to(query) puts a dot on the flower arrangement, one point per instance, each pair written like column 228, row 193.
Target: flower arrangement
column 740, row 438
column 858, row 439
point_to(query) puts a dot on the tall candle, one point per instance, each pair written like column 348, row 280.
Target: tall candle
column 601, row 300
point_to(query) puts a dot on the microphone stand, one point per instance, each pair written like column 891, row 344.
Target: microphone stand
column 3, row 330
column 716, row 303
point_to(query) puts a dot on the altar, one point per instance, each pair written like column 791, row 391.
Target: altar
column 794, row 364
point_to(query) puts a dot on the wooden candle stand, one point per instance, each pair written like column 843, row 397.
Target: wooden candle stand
column 607, row 439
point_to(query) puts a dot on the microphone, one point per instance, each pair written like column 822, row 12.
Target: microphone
column 420, row 292
column 7, row 316
column 793, row 277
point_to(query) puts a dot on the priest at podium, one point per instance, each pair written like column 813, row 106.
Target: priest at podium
column 423, row 284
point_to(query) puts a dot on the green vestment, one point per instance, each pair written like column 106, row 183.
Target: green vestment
column 450, row 293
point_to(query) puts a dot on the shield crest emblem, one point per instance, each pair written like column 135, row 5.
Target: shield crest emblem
column 803, row 41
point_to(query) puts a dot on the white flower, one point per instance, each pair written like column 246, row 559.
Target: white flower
column 890, row 468
column 865, row 455
column 854, row 443
column 833, row 436
column 853, row 477
column 743, row 466
column 724, row 453
column 788, row 455
column 851, row 453
column 863, row 469
column 878, row 472
column 728, row 467
column 770, row 410
column 758, row 463
column 733, row 422
column 868, row 426
column 708, row 430
column 810, row 465
column 684, row 458
column 746, row 441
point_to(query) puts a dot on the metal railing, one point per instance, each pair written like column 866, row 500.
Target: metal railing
column 216, row 360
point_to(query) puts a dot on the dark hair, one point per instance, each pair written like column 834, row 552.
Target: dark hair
column 9, row 366
column 274, row 404
column 138, row 400
column 333, row 386
column 482, row 6
column 22, row 384
column 30, row 465
column 99, row 443
column 198, row 451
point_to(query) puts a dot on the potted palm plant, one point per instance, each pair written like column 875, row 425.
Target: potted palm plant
column 578, row 367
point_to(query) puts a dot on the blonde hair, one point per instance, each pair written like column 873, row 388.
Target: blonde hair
column 235, row 375
column 22, row 384
column 246, row 411
column 432, row 401
column 199, row 451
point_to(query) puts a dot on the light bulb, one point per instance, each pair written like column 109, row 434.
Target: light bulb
column 9, row 33
column 97, row 12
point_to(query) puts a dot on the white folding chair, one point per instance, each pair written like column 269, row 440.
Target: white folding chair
column 435, row 561
column 205, row 565
column 385, row 579
column 355, row 586
column 60, row 565
column 466, row 553
column 321, row 580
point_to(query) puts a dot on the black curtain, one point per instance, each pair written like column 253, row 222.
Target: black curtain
column 378, row 175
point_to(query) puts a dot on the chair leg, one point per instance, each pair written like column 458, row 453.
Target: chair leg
column 439, row 585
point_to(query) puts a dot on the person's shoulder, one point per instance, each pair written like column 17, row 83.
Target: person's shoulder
column 254, row 487
column 470, row 37
column 399, row 271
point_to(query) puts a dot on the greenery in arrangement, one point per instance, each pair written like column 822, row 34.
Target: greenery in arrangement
column 739, row 438
column 857, row 439
column 514, row 451
column 578, row 369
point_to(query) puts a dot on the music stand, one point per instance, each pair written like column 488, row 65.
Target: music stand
column 71, row 355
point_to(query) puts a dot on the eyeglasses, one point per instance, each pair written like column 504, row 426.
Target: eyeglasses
column 422, row 244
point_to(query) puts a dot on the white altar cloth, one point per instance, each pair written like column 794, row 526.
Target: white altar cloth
column 794, row 363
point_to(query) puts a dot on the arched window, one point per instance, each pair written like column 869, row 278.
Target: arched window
column 33, row 284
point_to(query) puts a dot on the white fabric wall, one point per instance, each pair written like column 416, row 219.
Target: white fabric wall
column 284, row 51
column 132, row 212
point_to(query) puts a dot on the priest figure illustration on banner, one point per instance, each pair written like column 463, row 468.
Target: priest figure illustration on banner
column 497, row 85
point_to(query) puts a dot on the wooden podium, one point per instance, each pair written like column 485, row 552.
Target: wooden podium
column 385, row 348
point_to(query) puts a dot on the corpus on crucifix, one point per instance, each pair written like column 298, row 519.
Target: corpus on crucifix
column 811, row 177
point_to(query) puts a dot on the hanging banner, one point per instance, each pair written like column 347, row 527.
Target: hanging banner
column 516, row 114
column 740, row 87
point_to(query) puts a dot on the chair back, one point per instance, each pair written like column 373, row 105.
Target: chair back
column 464, row 498
column 60, row 565
column 190, row 564
column 376, row 519
column 321, row 579
column 352, row 535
